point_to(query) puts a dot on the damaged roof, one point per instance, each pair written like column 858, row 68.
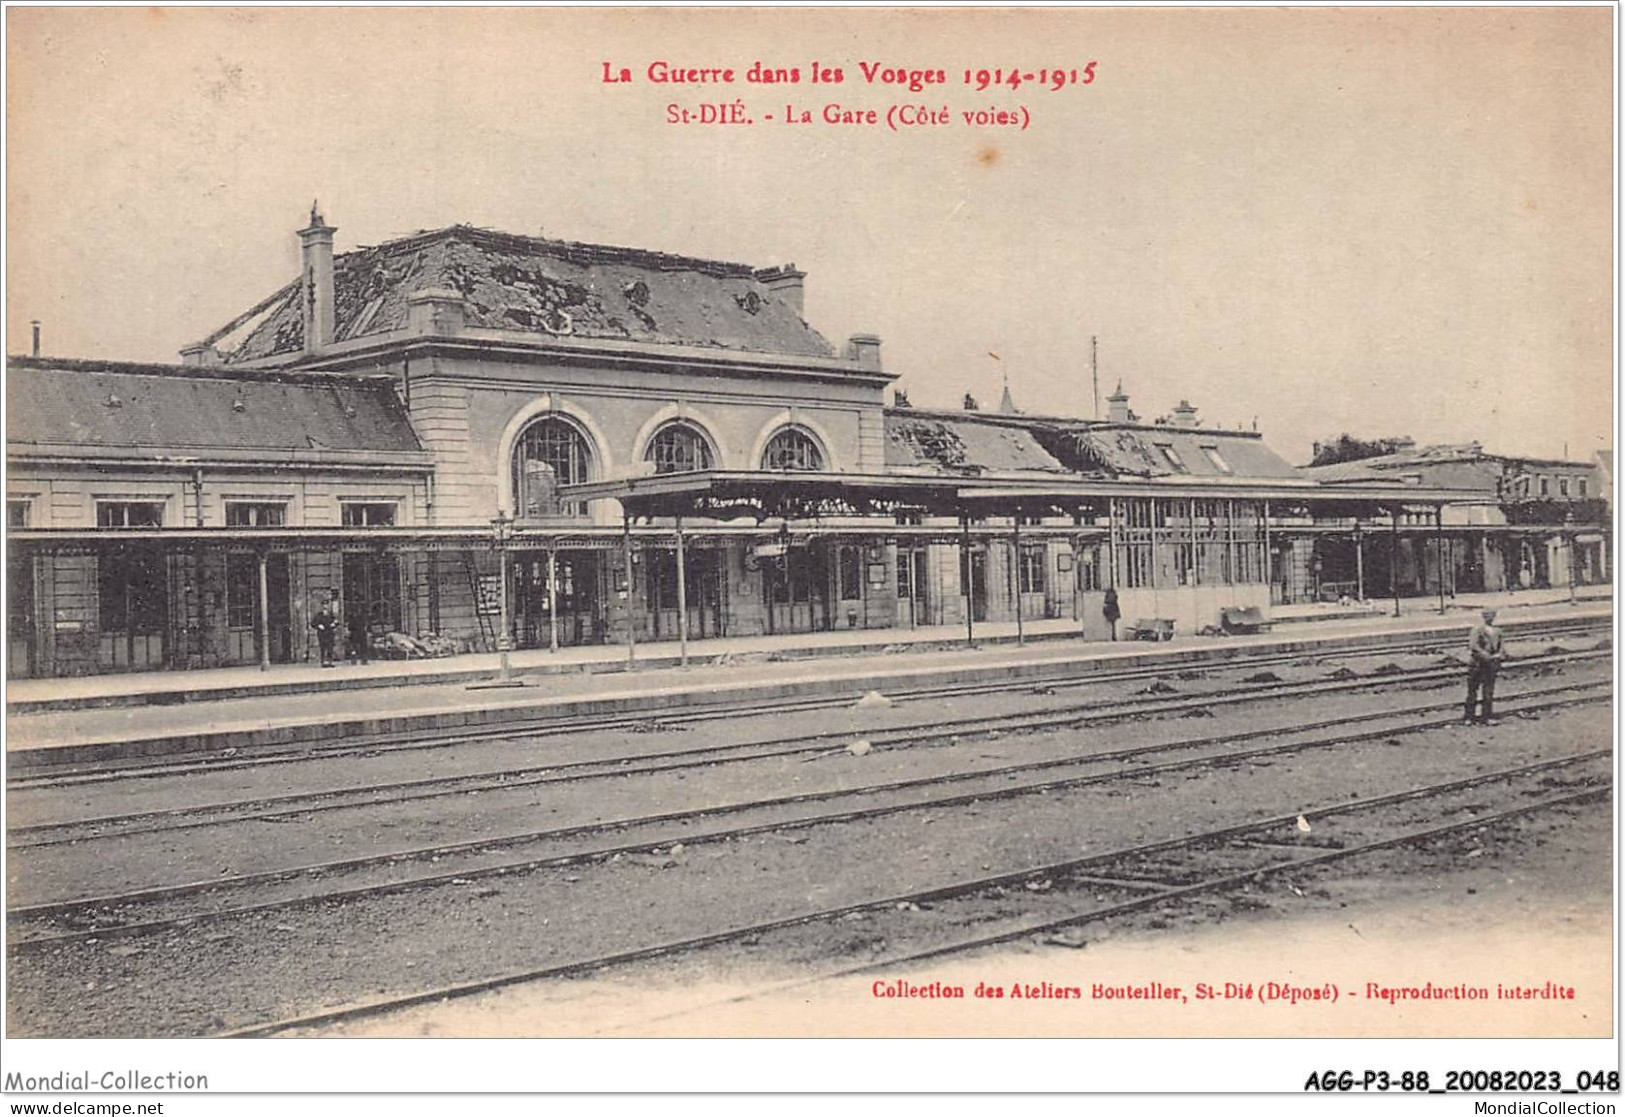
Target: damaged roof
column 117, row 405
column 1464, row 465
column 1169, row 451
column 539, row 286
column 954, row 443
column 973, row 442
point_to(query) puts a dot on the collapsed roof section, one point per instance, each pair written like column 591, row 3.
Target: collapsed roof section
column 978, row 443
column 543, row 287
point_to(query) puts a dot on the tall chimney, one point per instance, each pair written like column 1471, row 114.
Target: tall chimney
column 1184, row 415
column 1117, row 406
column 316, row 242
column 35, row 323
column 786, row 283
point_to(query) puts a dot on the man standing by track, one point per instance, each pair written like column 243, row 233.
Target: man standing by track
column 1484, row 650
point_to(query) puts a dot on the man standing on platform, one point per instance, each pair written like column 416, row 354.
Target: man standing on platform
column 1484, row 650
column 1111, row 610
column 324, row 624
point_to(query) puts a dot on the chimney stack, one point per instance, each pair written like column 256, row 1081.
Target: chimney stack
column 786, row 283
column 316, row 242
column 1117, row 406
column 437, row 310
column 1184, row 415
column 864, row 349
column 200, row 353
column 35, row 323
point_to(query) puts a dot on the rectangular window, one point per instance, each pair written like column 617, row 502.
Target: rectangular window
column 1032, row 569
column 1171, row 456
column 662, row 579
column 16, row 513
column 851, row 568
column 1563, row 486
column 132, row 594
column 244, row 513
column 1134, row 519
column 1089, row 569
column 129, row 513
column 372, row 594
column 1545, row 486
column 1582, row 486
column 911, row 575
column 1216, row 458
column 369, row 514
column 242, row 590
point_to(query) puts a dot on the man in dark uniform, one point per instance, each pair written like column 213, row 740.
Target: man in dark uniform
column 1484, row 651
column 359, row 645
column 324, row 624
column 1111, row 610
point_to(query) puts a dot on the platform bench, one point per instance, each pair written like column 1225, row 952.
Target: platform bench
column 1250, row 619
column 1150, row 629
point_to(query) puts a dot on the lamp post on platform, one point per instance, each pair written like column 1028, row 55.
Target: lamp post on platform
column 502, row 533
column 1359, row 563
column 1569, row 536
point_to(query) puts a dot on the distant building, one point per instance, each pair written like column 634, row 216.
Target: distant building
column 1521, row 523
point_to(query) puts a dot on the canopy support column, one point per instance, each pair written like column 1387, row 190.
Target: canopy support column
column 631, row 594
column 552, row 600
column 1393, row 555
column 682, row 599
column 966, row 585
column 265, row 613
column 1438, row 540
column 1015, row 550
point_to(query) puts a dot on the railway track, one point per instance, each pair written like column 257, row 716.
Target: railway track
column 544, row 727
column 87, row 919
column 299, row 804
column 1069, row 892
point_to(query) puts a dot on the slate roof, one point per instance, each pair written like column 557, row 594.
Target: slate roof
column 191, row 410
column 972, row 442
column 952, row 443
column 1375, row 468
column 539, row 286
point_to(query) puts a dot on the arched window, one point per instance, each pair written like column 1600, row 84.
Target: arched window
column 679, row 448
column 793, row 448
column 551, row 452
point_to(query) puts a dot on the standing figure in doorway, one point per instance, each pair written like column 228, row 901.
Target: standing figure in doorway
column 324, row 624
column 1485, row 650
column 1111, row 610
column 358, row 647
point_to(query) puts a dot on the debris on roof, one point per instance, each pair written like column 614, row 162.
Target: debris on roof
column 959, row 445
column 545, row 287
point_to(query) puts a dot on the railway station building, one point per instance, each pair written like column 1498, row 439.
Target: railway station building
column 1522, row 523
column 606, row 445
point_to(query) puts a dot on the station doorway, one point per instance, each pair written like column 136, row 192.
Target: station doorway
column 703, row 571
column 132, row 588
column 797, row 587
column 578, row 596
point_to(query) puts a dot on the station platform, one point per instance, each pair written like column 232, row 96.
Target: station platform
column 111, row 717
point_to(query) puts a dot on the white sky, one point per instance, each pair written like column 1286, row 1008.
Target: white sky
column 1383, row 221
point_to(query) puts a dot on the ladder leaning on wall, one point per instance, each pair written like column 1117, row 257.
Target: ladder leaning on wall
column 488, row 632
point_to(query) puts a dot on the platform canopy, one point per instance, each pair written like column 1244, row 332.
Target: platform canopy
column 725, row 494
